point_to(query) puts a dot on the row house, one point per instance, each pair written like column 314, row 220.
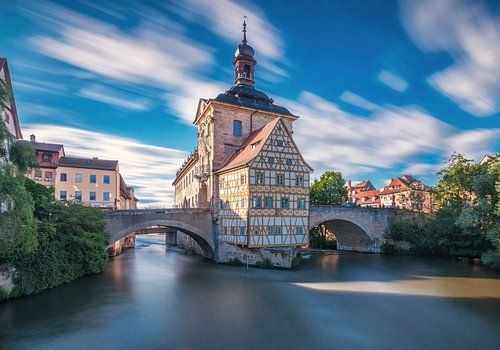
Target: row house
column 354, row 190
column 406, row 192
column 403, row 192
column 91, row 181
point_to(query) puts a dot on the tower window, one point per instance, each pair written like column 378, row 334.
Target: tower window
column 237, row 126
column 246, row 70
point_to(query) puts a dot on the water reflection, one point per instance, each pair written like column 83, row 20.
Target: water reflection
column 450, row 287
column 152, row 297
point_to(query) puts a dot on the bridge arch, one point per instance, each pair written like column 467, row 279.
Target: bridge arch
column 350, row 236
column 356, row 229
column 189, row 230
column 195, row 223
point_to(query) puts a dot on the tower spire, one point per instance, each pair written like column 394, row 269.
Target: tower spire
column 244, row 62
column 244, row 30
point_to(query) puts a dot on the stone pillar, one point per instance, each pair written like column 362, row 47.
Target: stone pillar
column 171, row 237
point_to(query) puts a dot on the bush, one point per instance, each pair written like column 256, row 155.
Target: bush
column 265, row 264
column 235, row 262
column 297, row 260
column 69, row 242
column 491, row 259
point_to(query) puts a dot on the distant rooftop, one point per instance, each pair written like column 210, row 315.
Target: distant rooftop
column 47, row 147
column 88, row 163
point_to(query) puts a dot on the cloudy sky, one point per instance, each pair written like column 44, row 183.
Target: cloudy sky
column 382, row 87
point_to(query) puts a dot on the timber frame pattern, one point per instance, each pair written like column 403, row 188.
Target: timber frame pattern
column 265, row 202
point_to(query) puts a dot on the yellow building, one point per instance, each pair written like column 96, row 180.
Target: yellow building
column 91, row 181
column 246, row 166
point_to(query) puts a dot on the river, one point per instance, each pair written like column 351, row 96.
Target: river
column 151, row 297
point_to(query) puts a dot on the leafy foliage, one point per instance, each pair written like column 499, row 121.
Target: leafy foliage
column 329, row 189
column 467, row 221
column 48, row 242
column 22, row 154
column 319, row 238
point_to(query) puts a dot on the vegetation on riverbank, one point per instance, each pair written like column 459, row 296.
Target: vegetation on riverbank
column 466, row 221
column 48, row 242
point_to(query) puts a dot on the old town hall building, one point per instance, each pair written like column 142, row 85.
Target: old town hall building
column 247, row 167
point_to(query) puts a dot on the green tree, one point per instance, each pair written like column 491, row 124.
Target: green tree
column 455, row 187
column 466, row 222
column 329, row 189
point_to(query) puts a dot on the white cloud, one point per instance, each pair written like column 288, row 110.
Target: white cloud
column 155, row 53
column 394, row 137
column 392, row 81
column 471, row 36
column 109, row 96
column 358, row 101
column 149, row 169
column 225, row 18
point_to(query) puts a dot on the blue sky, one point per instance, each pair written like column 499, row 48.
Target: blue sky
column 382, row 87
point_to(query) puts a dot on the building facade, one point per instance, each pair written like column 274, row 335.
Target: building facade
column 406, row 192
column 9, row 114
column 91, row 181
column 246, row 166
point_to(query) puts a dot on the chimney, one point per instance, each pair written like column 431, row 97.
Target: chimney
column 32, row 138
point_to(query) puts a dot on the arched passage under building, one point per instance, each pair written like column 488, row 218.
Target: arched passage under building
column 350, row 236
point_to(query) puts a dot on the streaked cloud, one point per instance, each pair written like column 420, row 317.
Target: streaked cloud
column 358, row 101
column 136, row 56
column 471, row 36
column 392, row 81
column 331, row 138
column 112, row 97
column 149, row 169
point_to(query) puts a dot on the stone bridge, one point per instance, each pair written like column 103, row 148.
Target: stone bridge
column 356, row 229
column 196, row 223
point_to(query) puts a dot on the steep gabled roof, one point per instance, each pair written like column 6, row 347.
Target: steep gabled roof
column 5, row 67
column 250, row 147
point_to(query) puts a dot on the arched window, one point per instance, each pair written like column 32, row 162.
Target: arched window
column 237, row 126
column 246, row 69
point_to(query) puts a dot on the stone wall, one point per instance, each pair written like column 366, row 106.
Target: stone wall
column 279, row 257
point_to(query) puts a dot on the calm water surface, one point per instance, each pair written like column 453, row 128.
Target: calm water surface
column 153, row 298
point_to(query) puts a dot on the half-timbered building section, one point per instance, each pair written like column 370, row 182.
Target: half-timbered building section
column 233, row 206
column 277, row 194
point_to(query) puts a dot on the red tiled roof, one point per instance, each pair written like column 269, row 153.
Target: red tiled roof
column 250, row 147
column 125, row 191
column 367, row 194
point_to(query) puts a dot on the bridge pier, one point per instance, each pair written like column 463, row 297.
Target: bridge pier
column 170, row 237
